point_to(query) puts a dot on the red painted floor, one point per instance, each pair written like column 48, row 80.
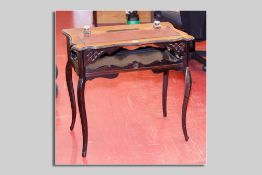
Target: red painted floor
column 126, row 125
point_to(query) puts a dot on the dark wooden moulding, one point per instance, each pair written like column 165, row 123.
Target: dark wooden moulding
column 78, row 60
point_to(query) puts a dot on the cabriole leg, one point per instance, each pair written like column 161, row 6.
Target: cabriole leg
column 164, row 91
column 185, row 101
column 71, row 93
column 82, row 110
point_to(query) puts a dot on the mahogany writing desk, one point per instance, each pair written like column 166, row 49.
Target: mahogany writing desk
column 109, row 50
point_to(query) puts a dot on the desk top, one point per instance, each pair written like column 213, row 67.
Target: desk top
column 124, row 35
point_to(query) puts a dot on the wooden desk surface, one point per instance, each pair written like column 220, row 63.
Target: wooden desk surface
column 124, row 35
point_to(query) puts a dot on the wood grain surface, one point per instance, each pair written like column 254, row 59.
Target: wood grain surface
column 124, row 35
column 119, row 17
column 105, row 17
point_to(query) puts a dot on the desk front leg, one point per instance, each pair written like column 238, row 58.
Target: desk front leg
column 188, row 83
column 71, row 92
column 164, row 91
column 69, row 82
column 82, row 110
